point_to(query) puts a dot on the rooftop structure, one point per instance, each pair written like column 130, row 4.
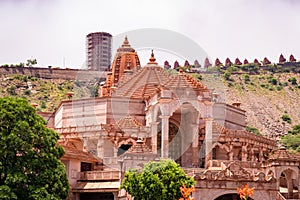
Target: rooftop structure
column 98, row 47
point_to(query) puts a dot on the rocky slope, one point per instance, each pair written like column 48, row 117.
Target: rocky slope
column 271, row 102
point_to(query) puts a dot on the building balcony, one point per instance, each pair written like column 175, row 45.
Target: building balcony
column 99, row 175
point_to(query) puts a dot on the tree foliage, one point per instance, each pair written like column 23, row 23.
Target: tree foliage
column 292, row 139
column 252, row 129
column 29, row 164
column 158, row 180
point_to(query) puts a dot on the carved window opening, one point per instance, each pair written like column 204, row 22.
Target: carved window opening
column 85, row 167
column 123, row 148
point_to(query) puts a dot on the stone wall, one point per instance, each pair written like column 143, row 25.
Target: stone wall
column 54, row 73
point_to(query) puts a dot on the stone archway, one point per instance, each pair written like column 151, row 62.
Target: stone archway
column 230, row 197
column 288, row 184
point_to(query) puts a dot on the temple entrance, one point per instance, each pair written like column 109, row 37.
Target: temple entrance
column 288, row 184
column 174, row 143
column 97, row 196
column 230, row 197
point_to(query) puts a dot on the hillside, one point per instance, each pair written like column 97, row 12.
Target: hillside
column 46, row 93
column 271, row 101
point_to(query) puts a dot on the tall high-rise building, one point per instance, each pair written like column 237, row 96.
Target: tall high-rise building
column 98, row 51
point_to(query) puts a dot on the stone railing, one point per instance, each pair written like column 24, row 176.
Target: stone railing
column 79, row 129
column 100, row 175
column 244, row 164
column 110, row 161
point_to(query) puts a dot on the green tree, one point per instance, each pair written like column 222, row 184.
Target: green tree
column 158, row 180
column 295, row 130
column 292, row 142
column 29, row 163
column 31, row 62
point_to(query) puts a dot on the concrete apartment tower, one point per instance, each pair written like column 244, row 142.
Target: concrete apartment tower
column 99, row 51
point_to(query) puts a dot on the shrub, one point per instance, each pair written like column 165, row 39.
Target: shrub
column 252, row 129
column 246, row 78
column 293, row 80
column 279, row 87
column 43, row 105
column 227, row 75
column 12, row 90
column 273, row 81
column 27, row 92
column 286, row 118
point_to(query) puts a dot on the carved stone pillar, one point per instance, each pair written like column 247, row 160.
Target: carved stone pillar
column 289, row 181
column 100, row 147
column 115, row 150
column 261, row 156
column 244, row 152
column 164, row 136
column 231, row 152
column 208, row 140
column 154, row 136
column 85, row 142
column 195, row 145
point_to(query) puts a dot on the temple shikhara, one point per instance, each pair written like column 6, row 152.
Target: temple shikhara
column 143, row 113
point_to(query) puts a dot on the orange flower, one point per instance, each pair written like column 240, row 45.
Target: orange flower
column 245, row 192
column 186, row 192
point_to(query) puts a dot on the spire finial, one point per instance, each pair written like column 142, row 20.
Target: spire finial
column 125, row 43
column 152, row 59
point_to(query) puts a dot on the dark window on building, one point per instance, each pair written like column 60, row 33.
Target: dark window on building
column 86, row 167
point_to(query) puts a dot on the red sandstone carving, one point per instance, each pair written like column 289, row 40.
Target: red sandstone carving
column 217, row 62
column 292, row 59
column 237, row 62
column 281, row 59
column 228, row 62
column 206, row 63
column 266, row 61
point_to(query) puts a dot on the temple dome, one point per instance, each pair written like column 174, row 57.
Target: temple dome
column 125, row 61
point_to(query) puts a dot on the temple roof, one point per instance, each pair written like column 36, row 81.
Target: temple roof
column 126, row 47
column 73, row 152
column 147, row 81
column 144, row 82
column 183, row 80
column 128, row 122
column 282, row 154
column 125, row 60
column 139, row 147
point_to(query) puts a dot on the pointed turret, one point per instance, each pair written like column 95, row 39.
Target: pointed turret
column 126, row 47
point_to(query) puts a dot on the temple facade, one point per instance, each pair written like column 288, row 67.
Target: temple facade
column 145, row 114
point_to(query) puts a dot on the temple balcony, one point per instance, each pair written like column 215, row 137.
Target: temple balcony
column 99, row 175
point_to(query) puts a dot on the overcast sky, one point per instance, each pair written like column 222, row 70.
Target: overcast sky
column 54, row 31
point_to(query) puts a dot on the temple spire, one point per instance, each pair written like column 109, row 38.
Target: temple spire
column 125, row 43
column 125, row 46
column 152, row 59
